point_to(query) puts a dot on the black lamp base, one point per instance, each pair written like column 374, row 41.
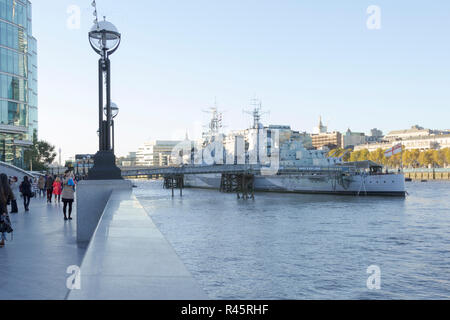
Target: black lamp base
column 104, row 167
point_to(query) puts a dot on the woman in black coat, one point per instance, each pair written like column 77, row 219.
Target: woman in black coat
column 9, row 194
column 3, row 215
column 25, row 189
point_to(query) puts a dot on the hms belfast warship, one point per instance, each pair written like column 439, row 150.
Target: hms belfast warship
column 288, row 162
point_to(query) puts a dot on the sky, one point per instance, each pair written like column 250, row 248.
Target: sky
column 301, row 58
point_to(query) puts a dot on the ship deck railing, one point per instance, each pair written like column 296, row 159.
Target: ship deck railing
column 232, row 169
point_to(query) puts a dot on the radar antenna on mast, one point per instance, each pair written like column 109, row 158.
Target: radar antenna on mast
column 215, row 124
column 257, row 112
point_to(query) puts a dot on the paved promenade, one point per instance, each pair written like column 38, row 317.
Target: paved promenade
column 33, row 265
column 129, row 258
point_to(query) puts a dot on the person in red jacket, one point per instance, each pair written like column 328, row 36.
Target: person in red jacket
column 57, row 189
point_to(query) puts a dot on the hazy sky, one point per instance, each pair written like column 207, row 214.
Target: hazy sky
column 302, row 58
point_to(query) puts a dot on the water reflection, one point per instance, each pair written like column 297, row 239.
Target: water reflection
column 298, row 246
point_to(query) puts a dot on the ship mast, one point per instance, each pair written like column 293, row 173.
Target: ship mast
column 215, row 124
column 257, row 112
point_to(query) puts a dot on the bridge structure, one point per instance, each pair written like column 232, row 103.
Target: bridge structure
column 234, row 178
column 224, row 168
column 174, row 170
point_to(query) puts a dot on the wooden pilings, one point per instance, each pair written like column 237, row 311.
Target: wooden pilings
column 241, row 183
column 175, row 181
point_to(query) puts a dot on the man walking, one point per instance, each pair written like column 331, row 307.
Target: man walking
column 41, row 186
column 49, row 187
column 25, row 189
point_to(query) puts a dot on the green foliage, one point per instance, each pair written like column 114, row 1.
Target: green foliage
column 68, row 164
column 411, row 158
column 40, row 154
column 340, row 152
column 354, row 156
column 378, row 156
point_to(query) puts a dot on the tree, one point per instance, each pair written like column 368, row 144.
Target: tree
column 364, row 155
column 69, row 164
column 426, row 158
column 439, row 157
column 40, row 154
column 447, row 155
column 340, row 152
column 46, row 152
column 415, row 153
column 333, row 152
column 411, row 158
column 347, row 154
column 407, row 160
column 394, row 160
column 354, row 156
column 377, row 156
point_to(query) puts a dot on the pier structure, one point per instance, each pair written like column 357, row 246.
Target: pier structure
column 174, row 181
column 241, row 183
column 427, row 174
column 235, row 178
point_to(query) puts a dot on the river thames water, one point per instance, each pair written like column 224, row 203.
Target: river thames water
column 294, row 246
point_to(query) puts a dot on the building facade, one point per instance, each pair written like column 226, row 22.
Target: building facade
column 127, row 161
column 375, row 136
column 414, row 138
column 351, row 139
column 329, row 139
column 18, row 81
column 155, row 153
column 414, row 132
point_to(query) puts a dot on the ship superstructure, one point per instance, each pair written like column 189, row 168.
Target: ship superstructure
column 295, row 166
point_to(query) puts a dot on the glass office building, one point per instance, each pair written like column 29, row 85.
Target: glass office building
column 18, row 81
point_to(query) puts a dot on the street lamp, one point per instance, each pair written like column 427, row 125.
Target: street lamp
column 84, row 166
column 114, row 113
column 104, row 39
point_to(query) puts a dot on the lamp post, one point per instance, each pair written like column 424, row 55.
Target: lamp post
column 89, row 165
column 114, row 113
column 104, row 39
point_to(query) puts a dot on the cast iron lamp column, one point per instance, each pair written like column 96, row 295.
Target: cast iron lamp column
column 104, row 39
column 114, row 113
column 84, row 166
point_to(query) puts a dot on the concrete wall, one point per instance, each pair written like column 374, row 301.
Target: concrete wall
column 418, row 175
column 11, row 170
column 91, row 199
column 129, row 259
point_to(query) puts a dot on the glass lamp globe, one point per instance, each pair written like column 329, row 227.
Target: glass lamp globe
column 104, row 37
column 114, row 110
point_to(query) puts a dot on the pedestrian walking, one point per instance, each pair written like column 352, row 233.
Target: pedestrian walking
column 9, row 195
column 25, row 189
column 68, row 194
column 41, row 186
column 49, row 188
column 14, row 186
column 34, row 185
column 57, row 188
column 5, row 222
